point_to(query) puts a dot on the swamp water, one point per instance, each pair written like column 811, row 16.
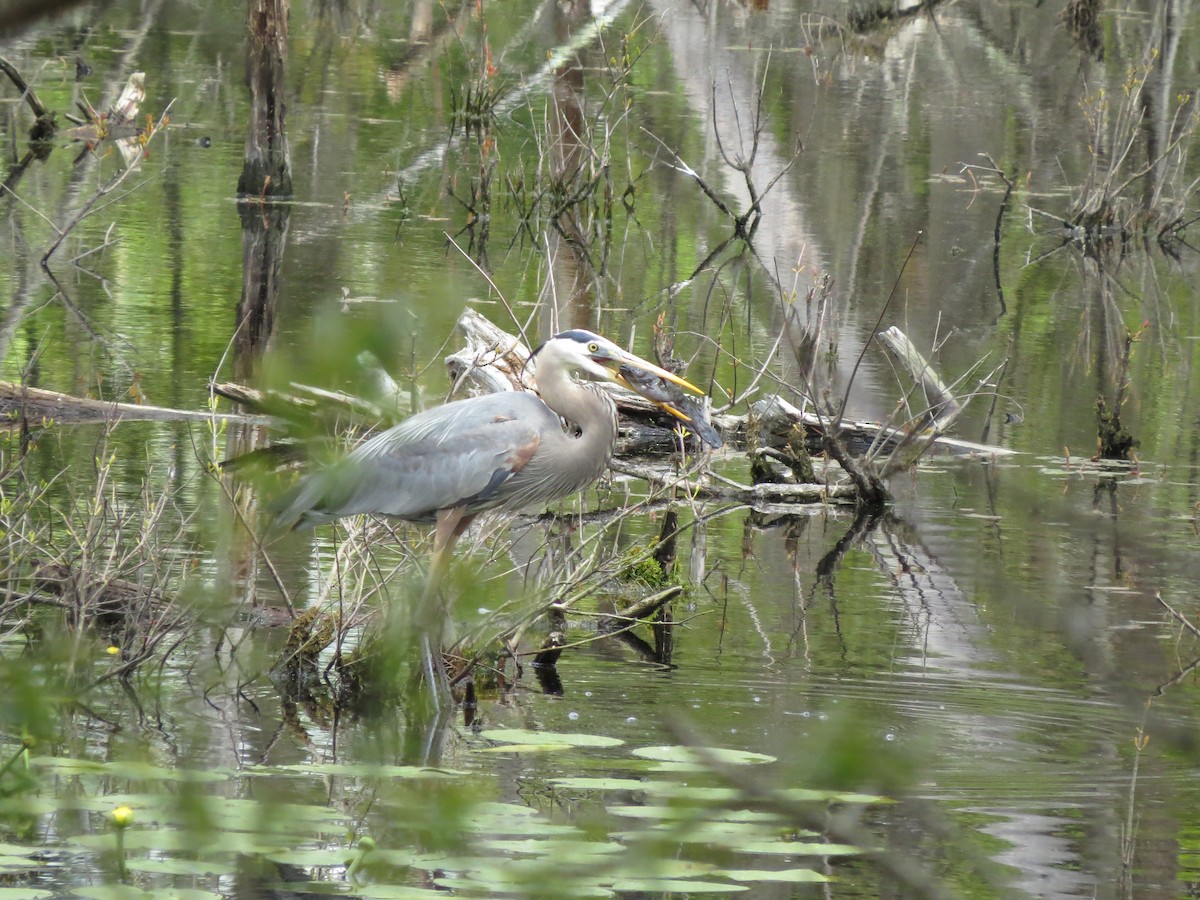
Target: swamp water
column 976, row 693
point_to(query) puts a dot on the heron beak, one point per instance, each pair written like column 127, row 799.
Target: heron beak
column 638, row 363
column 668, row 408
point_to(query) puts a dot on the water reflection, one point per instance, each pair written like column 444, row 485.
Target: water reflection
column 998, row 629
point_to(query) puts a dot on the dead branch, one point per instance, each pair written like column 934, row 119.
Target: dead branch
column 130, row 164
column 27, row 92
column 1179, row 617
column 751, row 495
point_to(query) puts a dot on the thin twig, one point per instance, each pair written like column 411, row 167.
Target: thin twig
column 1178, row 615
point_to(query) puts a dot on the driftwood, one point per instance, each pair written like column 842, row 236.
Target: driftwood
column 496, row 361
column 22, row 406
column 641, row 608
column 941, row 406
column 493, row 361
column 775, row 420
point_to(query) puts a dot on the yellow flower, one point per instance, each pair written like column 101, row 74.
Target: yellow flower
column 122, row 816
column 113, row 651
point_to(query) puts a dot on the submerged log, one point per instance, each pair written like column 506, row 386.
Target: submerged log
column 108, row 601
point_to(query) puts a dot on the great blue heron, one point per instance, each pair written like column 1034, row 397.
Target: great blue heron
column 501, row 451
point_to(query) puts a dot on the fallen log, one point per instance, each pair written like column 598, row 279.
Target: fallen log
column 22, row 406
column 775, row 420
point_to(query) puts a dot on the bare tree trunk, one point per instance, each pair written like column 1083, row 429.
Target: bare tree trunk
column 267, row 170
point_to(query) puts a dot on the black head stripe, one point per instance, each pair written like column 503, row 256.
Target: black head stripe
column 578, row 335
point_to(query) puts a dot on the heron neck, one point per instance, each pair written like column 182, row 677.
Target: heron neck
column 587, row 408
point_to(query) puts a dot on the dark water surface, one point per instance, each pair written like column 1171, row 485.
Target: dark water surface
column 990, row 653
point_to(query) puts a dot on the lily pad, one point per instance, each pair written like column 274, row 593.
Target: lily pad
column 23, row 893
column 491, row 889
column 676, row 886
column 18, row 850
column 722, row 834
column 132, row 769
column 316, row 856
column 565, row 849
column 673, row 790
column 549, row 738
column 110, row 892
column 797, row 848
column 789, row 876
column 171, row 840
column 521, row 827
column 364, row 770
column 10, row 864
column 513, row 819
column 805, row 794
column 675, row 813
column 168, row 866
column 596, row 783
column 697, row 756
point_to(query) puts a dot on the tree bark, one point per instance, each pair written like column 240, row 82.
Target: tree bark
column 267, row 171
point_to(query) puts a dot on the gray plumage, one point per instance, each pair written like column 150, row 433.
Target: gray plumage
column 499, row 451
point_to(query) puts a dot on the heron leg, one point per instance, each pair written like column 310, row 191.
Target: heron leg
column 431, row 614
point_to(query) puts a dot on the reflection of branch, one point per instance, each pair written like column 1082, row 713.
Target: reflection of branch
column 1008, row 189
column 865, row 520
column 745, row 224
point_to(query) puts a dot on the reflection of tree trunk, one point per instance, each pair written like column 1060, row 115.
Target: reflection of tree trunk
column 267, row 169
column 265, row 173
column 1157, row 98
column 568, row 288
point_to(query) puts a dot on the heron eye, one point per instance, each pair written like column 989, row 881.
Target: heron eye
column 593, row 347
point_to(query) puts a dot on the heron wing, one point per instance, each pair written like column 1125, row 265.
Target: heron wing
column 460, row 454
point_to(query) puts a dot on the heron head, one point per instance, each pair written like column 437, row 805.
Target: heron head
column 601, row 359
